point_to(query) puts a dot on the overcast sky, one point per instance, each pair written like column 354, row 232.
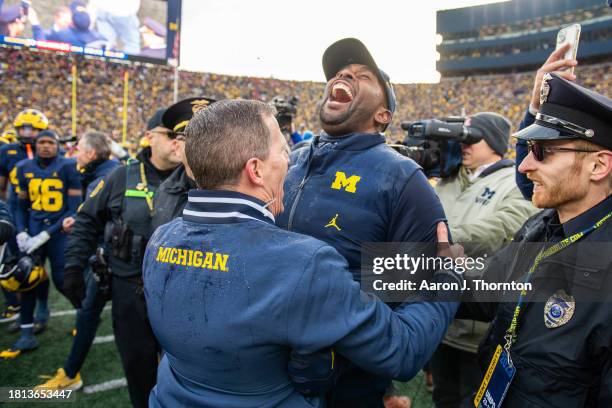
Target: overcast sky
column 286, row 38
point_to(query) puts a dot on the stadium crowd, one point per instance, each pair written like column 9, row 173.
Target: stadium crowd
column 603, row 34
column 123, row 215
column 532, row 25
column 100, row 92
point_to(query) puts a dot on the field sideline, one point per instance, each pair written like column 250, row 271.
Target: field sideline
column 102, row 368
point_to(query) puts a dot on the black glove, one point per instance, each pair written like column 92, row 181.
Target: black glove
column 6, row 232
column 316, row 373
column 74, row 286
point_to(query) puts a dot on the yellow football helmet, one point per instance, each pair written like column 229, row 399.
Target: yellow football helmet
column 22, row 276
column 31, row 117
column 8, row 136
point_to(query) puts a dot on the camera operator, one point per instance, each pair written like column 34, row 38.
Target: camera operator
column 286, row 111
column 484, row 209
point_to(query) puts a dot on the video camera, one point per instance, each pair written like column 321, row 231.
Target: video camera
column 435, row 144
column 286, row 111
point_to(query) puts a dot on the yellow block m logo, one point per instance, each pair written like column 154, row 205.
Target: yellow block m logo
column 349, row 184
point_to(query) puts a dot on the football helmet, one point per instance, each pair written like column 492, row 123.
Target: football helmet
column 23, row 275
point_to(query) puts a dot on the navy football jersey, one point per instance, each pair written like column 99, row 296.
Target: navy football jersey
column 48, row 187
column 10, row 155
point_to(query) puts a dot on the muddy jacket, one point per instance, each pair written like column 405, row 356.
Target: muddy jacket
column 229, row 295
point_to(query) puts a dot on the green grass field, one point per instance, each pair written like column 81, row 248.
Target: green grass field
column 102, row 363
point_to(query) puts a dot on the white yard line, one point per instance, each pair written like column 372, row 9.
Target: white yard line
column 105, row 386
column 72, row 312
column 104, row 339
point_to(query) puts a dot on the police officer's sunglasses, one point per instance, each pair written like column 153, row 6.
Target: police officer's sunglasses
column 538, row 150
column 170, row 134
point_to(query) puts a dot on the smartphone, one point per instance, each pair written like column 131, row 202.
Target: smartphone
column 569, row 34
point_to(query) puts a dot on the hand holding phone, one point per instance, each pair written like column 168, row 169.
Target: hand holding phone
column 571, row 35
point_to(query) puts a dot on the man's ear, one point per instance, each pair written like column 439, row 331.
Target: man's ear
column 382, row 117
column 253, row 170
column 601, row 166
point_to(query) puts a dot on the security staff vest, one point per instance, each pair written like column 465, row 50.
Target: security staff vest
column 135, row 228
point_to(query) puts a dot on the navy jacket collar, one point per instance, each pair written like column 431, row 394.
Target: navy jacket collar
column 223, row 207
column 588, row 218
column 353, row 141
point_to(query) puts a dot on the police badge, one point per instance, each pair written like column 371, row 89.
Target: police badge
column 545, row 88
column 199, row 104
column 559, row 309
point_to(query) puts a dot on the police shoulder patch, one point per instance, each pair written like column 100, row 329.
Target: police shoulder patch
column 11, row 152
column 97, row 189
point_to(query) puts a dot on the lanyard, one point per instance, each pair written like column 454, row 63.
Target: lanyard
column 142, row 189
column 148, row 197
column 510, row 336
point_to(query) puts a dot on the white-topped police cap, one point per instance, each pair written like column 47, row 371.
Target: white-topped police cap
column 570, row 111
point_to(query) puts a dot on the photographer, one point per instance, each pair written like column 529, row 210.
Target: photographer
column 484, row 209
column 286, row 111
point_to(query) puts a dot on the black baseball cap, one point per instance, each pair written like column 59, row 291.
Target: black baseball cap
column 156, row 119
column 352, row 51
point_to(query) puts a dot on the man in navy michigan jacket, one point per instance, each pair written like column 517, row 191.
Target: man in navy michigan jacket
column 230, row 295
column 348, row 188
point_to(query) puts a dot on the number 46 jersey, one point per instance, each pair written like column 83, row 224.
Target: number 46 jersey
column 47, row 189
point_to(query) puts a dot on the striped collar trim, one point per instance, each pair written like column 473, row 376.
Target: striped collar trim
column 221, row 207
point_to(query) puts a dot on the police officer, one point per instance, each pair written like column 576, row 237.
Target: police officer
column 348, row 187
column 49, row 190
column 551, row 345
column 485, row 209
column 93, row 159
column 121, row 212
column 230, row 294
column 171, row 197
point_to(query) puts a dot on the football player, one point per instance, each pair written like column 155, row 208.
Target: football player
column 49, row 191
column 28, row 123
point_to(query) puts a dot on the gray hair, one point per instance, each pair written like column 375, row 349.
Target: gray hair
column 98, row 142
column 220, row 139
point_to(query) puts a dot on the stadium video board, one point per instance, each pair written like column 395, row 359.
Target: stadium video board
column 144, row 30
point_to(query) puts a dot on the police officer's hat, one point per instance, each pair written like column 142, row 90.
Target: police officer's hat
column 178, row 115
column 569, row 111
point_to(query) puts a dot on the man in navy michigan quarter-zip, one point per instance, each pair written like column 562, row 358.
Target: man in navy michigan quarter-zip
column 348, row 188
